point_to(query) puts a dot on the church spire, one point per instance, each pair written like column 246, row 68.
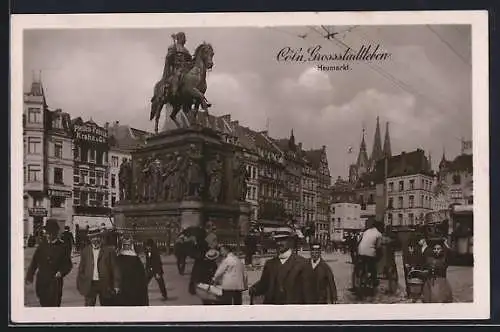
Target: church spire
column 362, row 162
column 291, row 141
column 387, row 142
column 377, row 144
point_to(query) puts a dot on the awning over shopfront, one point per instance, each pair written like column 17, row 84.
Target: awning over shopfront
column 93, row 221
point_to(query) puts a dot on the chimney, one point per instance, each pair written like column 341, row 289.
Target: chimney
column 106, row 125
column 300, row 146
column 403, row 161
column 323, row 147
column 227, row 118
column 117, row 123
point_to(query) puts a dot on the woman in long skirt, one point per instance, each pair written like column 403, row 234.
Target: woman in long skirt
column 133, row 288
column 436, row 288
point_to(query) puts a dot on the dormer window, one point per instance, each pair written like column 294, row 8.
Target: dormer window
column 57, row 122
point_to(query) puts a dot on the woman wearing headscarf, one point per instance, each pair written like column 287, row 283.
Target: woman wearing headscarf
column 133, row 288
column 436, row 288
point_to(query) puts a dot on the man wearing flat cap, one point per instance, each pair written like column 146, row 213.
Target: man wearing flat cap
column 286, row 278
column 98, row 273
column 52, row 263
column 325, row 290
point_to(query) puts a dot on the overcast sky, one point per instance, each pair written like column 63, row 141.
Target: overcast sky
column 424, row 90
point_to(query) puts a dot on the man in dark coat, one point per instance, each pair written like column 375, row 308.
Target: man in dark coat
column 154, row 267
column 98, row 273
column 325, row 290
column 68, row 239
column 286, row 279
column 53, row 263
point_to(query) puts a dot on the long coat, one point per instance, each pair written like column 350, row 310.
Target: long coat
column 133, row 284
column 109, row 273
column 325, row 290
column 289, row 283
column 48, row 260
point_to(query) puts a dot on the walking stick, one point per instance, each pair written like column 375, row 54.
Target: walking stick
column 251, row 299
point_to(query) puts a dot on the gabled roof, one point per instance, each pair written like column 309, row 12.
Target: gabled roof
column 123, row 137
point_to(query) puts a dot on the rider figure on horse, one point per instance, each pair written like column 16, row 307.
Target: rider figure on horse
column 178, row 62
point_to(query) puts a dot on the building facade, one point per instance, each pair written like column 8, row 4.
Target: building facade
column 122, row 139
column 409, row 184
column 345, row 211
column 91, row 191
column 47, row 163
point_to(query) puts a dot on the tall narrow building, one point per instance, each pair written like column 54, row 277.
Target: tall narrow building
column 387, row 142
column 377, row 153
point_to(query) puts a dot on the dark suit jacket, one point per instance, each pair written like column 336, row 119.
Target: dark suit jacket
column 153, row 263
column 109, row 273
column 325, row 290
column 295, row 278
column 48, row 260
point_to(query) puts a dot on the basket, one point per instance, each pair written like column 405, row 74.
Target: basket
column 208, row 292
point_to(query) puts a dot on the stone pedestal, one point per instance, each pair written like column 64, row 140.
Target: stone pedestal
column 169, row 196
column 191, row 214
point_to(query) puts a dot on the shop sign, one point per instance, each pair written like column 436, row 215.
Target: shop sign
column 59, row 193
column 37, row 212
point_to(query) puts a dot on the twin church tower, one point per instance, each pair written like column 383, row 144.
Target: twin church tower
column 365, row 164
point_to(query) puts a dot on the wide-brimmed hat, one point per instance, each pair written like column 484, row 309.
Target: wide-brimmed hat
column 212, row 254
column 315, row 245
column 96, row 232
column 52, row 227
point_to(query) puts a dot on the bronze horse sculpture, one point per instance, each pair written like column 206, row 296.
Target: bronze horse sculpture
column 192, row 88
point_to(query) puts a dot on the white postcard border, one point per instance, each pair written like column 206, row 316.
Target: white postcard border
column 479, row 309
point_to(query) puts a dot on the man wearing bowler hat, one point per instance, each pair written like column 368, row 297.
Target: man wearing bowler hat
column 286, row 278
column 53, row 263
column 98, row 273
column 325, row 290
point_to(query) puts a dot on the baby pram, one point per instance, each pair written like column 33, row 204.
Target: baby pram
column 414, row 283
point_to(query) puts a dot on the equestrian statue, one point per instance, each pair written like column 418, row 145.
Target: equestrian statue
column 183, row 83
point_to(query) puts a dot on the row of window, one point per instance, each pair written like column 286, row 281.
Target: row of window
column 90, row 155
column 425, row 202
column 93, row 178
column 35, row 116
column 400, row 219
column 425, row 184
column 35, row 147
column 92, row 199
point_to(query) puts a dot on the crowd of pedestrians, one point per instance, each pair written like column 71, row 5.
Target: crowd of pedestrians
column 111, row 272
